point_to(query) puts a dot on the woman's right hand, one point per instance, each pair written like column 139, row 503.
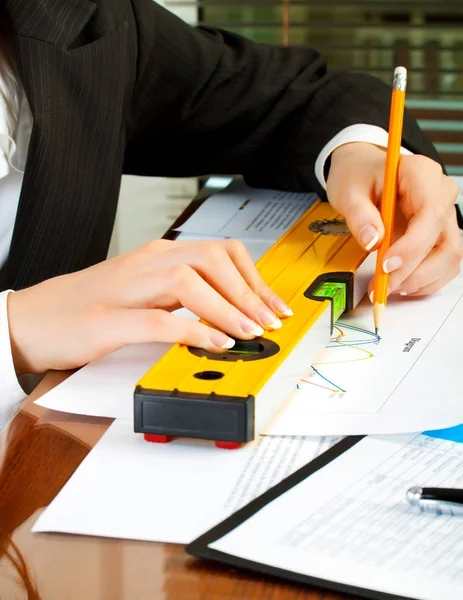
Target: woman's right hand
column 68, row 321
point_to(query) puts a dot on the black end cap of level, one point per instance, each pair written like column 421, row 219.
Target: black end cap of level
column 185, row 414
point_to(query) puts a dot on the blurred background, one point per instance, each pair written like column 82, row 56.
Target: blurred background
column 371, row 36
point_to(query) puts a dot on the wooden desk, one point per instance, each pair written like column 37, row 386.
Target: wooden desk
column 38, row 453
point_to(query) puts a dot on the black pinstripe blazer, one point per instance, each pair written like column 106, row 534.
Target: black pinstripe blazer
column 123, row 86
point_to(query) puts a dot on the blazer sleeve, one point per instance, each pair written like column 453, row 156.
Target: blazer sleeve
column 209, row 101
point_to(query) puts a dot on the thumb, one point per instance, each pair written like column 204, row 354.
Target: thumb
column 362, row 216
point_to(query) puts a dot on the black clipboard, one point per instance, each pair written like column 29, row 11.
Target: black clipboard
column 199, row 548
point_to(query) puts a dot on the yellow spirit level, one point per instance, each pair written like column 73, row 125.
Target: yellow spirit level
column 318, row 268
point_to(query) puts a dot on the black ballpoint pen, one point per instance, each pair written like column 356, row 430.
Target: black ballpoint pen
column 442, row 501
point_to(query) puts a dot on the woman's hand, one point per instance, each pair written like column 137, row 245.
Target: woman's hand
column 427, row 249
column 70, row 320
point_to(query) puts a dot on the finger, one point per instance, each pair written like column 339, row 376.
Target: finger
column 426, row 199
column 357, row 203
column 435, row 286
column 440, row 267
column 215, row 266
column 452, row 190
column 183, row 284
column 407, row 253
column 137, row 326
column 245, row 265
column 443, row 262
column 414, row 287
column 434, row 267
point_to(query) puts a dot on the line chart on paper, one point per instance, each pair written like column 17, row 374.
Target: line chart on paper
column 349, row 344
column 406, row 381
column 357, row 371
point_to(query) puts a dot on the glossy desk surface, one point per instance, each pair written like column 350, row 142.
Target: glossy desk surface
column 38, row 453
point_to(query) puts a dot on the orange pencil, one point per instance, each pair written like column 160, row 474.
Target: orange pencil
column 389, row 195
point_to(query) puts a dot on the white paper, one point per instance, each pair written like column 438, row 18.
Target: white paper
column 129, row 488
column 350, row 522
column 408, row 381
column 105, row 387
column 247, row 213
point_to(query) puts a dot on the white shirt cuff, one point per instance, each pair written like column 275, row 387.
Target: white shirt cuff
column 11, row 393
column 354, row 133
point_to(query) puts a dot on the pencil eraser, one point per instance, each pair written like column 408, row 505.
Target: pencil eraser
column 401, row 71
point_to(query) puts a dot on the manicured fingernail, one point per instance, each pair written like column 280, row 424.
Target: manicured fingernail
column 369, row 237
column 392, row 264
column 403, row 293
column 282, row 307
column 269, row 320
column 220, row 340
column 252, row 328
column 228, row 344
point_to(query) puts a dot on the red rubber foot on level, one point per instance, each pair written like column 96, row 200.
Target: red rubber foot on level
column 156, row 439
column 228, row 445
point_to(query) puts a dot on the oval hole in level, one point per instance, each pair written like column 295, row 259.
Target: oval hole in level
column 209, row 375
column 244, row 350
column 247, row 348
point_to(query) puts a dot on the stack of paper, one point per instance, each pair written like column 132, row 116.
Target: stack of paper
column 128, row 488
column 248, row 214
column 256, row 217
column 350, row 524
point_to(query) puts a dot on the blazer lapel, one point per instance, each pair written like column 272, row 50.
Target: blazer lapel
column 79, row 99
column 55, row 21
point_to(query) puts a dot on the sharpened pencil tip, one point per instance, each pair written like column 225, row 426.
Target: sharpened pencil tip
column 378, row 310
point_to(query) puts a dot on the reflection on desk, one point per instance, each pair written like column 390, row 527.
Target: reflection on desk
column 39, row 452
